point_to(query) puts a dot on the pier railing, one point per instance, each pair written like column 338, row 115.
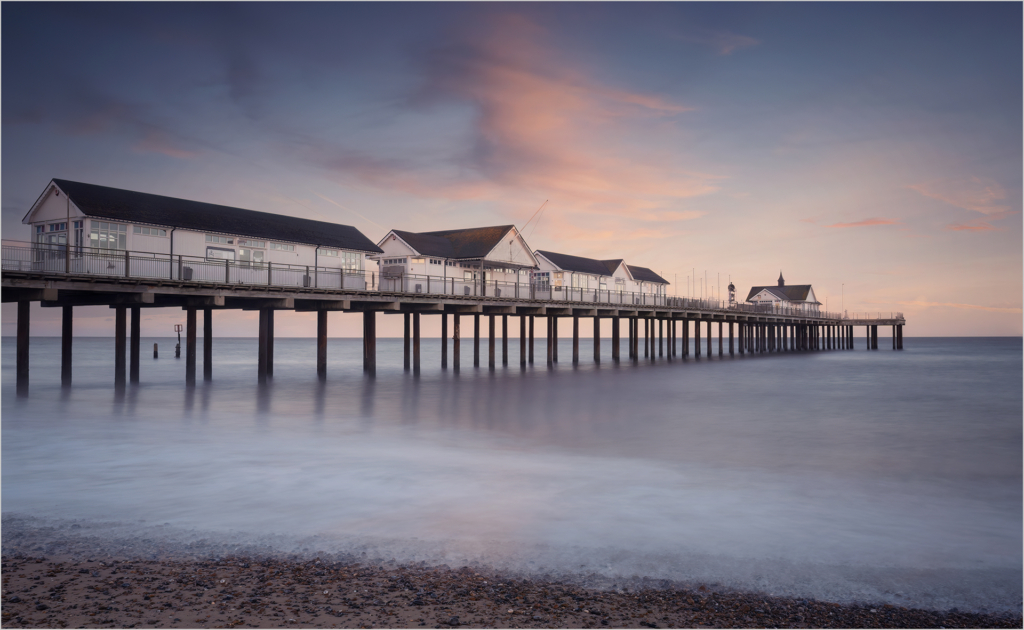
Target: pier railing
column 90, row 261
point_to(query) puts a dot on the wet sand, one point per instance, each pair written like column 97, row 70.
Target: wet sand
column 232, row 592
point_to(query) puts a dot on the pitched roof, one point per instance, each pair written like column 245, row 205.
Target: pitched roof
column 471, row 242
column 790, row 292
column 126, row 205
column 577, row 263
column 643, row 274
column 427, row 244
column 612, row 265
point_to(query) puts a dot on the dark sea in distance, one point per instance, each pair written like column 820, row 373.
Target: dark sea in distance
column 840, row 475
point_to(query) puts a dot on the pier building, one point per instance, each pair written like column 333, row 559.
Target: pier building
column 133, row 251
column 794, row 296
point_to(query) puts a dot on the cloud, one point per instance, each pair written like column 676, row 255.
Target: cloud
column 977, row 194
column 976, row 307
column 723, row 42
column 865, row 223
column 977, row 226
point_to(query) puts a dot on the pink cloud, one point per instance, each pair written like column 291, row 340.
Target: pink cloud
column 865, row 223
column 156, row 141
column 979, row 226
column 977, row 194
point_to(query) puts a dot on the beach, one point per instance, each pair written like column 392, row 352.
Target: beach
column 232, row 592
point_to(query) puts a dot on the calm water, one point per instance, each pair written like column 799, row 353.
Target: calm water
column 847, row 475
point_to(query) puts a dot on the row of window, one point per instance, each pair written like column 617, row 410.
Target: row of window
column 394, row 261
column 148, row 231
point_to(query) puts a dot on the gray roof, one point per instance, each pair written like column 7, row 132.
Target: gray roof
column 577, row 263
column 136, row 207
column 464, row 243
column 643, row 274
column 789, row 292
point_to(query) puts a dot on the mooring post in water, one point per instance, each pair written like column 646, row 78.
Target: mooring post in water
column 407, row 341
column 597, row 339
column 22, row 350
column 456, row 343
column 415, row 343
column 444, row 341
column 491, row 342
column 370, row 342
column 207, row 344
column 575, row 340
column 190, row 347
column 874, row 337
column 120, row 335
column 504, row 340
column 65, row 345
column 134, row 347
column 615, row 339
column 476, row 340
column 321, row 344
column 899, row 336
column 156, row 352
column 261, row 362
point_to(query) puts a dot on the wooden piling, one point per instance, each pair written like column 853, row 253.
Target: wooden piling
column 270, row 342
column 550, row 350
column 530, row 357
column 261, row 363
column 522, row 340
column 120, row 333
column 190, row 347
column 321, row 344
column 444, row 341
column 575, row 340
column 407, row 342
column 710, row 336
column 22, row 350
column 456, row 343
column 696, row 338
column 554, row 340
column 208, row 344
column 661, row 337
column 476, row 340
column 615, row 339
column 369, row 342
column 719, row 338
column 597, row 339
column 490, row 342
column 65, row 345
column 134, row 347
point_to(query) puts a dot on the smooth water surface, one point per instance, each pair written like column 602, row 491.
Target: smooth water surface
column 844, row 475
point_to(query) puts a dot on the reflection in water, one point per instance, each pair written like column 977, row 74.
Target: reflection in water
column 841, row 475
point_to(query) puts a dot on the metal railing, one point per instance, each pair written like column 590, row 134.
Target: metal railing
column 89, row 261
column 853, row 317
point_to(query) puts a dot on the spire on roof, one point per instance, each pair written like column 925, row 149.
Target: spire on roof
column 782, row 281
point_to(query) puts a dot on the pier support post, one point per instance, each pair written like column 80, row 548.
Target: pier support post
column 321, row 344
column 710, row 337
column 899, row 336
column 554, row 340
column 270, row 342
column 67, row 323
column 504, row 340
column 530, row 356
column 874, row 337
column 369, row 342
column 208, row 344
column 686, row 337
column 661, row 337
column 456, row 343
column 615, row 339
column 597, row 339
column 551, row 327
column 731, row 352
column 719, row 338
column 647, row 337
column 190, row 347
column 407, row 342
column 696, row 337
column 444, row 341
column 894, row 337
column 522, row 341
column 261, row 368
column 22, row 349
column 133, row 347
column 575, row 340
column 476, row 340
column 416, row 343
column 120, row 332
column 491, row 342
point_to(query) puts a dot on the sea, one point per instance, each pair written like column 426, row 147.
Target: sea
column 846, row 475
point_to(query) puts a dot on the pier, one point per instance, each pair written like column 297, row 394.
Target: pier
column 661, row 325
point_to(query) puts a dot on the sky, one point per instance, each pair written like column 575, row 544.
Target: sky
column 870, row 150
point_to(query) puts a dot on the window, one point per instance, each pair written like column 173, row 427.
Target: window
column 251, row 243
column 249, row 257
column 220, row 253
column 394, row 261
column 435, row 261
column 417, row 261
column 351, row 261
column 210, row 238
column 148, row 231
column 283, row 247
column 105, row 235
column 58, row 227
column 79, row 227
column 327, row 252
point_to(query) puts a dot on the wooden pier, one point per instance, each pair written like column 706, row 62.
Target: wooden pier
column 663, row 330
